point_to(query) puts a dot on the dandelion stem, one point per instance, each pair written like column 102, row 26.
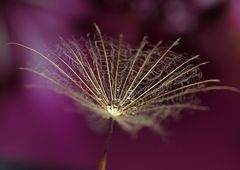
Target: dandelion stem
column 102, row 163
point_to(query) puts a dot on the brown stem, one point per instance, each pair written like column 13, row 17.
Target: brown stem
column 102, row 163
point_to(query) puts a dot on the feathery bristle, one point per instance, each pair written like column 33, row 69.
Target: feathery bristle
column 136, row 87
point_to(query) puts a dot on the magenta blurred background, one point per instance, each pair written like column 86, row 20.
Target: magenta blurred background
column 39, row 128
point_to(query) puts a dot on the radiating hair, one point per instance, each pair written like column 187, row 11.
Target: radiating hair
column 135, row 86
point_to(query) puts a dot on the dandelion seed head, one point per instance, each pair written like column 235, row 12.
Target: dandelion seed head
column 135, row 86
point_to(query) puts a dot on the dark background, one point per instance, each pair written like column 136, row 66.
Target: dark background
column 40, row 129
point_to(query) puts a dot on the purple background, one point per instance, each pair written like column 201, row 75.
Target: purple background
column 37, row 126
